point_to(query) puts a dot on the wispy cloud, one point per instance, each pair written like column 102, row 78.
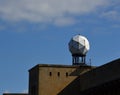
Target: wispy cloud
column 64, row 21
column 112, row 15
column 25, row 91
column 112, row 12
column 56, row 11
column 6, row 91
column 116, row 26
column 2, row 28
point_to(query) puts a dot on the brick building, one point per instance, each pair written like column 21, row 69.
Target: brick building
column 47, row 79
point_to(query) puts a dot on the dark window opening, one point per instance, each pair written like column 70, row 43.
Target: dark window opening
column 50, row 73
column 66, row 74
column 58, row 74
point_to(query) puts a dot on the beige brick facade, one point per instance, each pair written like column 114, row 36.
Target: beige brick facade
column 55, row 79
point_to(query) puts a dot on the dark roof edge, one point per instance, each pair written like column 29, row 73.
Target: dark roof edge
column 113, row 62
column 60, row 66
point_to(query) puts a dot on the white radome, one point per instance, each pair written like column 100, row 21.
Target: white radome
column 79, row 45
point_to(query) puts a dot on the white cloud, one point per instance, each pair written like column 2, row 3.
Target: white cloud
column 64, row 21
column 47, row 10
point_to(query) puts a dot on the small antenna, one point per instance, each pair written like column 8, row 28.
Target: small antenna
column 90, row 62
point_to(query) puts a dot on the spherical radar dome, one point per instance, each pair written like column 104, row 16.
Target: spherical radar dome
column 79, row 45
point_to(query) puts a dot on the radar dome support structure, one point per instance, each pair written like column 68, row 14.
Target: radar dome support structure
column 78, row 59
column 79, row 46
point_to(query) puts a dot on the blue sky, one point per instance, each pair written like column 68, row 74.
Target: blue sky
column 38, row 31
